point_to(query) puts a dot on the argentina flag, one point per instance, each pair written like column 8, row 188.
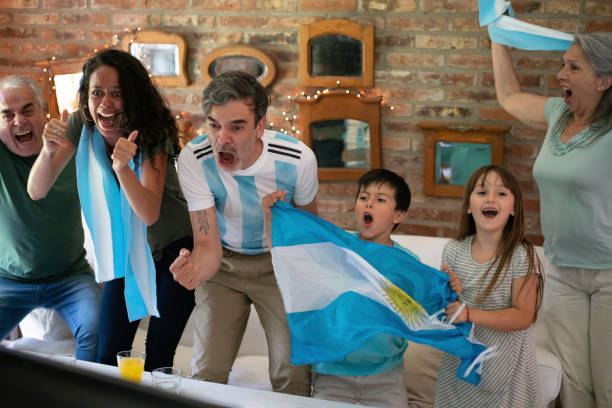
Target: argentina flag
column 506, row 30
column 119, row 236
column 340, row 291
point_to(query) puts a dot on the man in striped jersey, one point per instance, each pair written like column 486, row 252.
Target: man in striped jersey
column 224, row 174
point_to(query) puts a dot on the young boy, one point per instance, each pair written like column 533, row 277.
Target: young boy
column 374, row 374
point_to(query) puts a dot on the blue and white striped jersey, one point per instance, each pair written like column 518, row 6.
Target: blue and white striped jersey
column 285, row 163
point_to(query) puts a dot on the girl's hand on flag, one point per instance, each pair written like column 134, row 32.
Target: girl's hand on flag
column 452, row 308
column 453, row 280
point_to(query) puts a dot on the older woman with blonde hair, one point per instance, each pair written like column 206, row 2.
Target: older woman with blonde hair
column 572, row 171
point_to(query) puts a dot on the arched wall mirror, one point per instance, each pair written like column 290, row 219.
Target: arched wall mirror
column 64, row 78
column 336, row 50
column 453, row 152
column 343, row 130
column 238, row 58
column 163, row 54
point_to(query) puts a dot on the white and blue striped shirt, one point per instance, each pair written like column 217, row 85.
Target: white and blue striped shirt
column 285, row 163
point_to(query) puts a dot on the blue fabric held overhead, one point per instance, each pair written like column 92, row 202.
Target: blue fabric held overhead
column 119, row 236
column 507, row 30
column 340, row 291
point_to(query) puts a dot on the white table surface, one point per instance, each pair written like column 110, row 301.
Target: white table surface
column 226, row 395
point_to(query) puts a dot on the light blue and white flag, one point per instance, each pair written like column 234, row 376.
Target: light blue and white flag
column 119, row 236
column 340, row 291
column 506, row 30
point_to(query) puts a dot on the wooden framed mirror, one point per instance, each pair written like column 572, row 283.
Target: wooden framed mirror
column 163, row 54
column 336, row 51
column 454, row 151
column 64, row 77
column 343, row 130
column 243, row 58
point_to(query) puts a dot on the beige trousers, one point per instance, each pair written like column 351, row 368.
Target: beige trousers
column 578, row 317
column 220, row 317
column 385, row 390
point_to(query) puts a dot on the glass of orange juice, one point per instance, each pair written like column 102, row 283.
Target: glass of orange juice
column 131, row 364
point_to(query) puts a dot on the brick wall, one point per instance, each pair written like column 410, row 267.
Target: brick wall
column 432, row 63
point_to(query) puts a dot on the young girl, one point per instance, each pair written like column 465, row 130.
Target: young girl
column 124, row 140
column 497, row 275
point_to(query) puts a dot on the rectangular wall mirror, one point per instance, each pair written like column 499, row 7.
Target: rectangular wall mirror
column 64, row 78
column 343, row 130
column 335, row 51
column 163, row 54
column 453, row 152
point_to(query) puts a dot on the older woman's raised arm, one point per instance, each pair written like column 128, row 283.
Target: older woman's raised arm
column 526, row 107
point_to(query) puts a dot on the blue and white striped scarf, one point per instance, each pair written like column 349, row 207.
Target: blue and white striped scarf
column 119, row 236
column 506, row 30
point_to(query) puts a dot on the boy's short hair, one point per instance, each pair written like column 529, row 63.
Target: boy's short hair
column 383, row 176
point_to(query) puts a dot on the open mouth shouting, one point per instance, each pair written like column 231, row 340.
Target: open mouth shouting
column 227, row 156
column 368, row 220
column 109, row 122
column 567, row 94
column 489, row 212
column 24, row 137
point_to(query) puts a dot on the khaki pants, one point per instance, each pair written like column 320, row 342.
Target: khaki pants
column 578, row 318
column 220, row 318
column 385, row 390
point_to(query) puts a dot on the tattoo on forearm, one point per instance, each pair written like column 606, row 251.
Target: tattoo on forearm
column 203, row 221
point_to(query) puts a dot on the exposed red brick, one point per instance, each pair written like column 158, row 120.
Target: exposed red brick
column 412, row 60
column 499, row 114
column 444, row 112
column 469, row 61
column 449, row 6
column 403, row 5
column 18, row 4
column 92, row 19
column 527, row 6
column 215, row 5
column 42, row 49
column 243, row 21
column 538, row 63
column 416, row 23
column 465, row 24
column 113, row 4
column 470, row 96
column 433, row 214
column 436, row 78
column 164, row 4
column 445, row 42
column 63, row 4
column 597, row 26
column 414, row 95
column 599, row 8
column 563, row 6
column 285, row 5
column 521, row 150
column 38, row 19
column 395, row 41
column 326, row 5
column 185, row 20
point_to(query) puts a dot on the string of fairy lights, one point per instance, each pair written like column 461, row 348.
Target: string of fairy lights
column 288, row 124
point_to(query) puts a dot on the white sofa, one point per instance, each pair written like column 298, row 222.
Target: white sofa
column 251, row 366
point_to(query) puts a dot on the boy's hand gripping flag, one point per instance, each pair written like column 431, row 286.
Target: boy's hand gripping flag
column 506, row 30
column 340, row 291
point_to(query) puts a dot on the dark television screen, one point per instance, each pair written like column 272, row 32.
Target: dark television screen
column 31, row 381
